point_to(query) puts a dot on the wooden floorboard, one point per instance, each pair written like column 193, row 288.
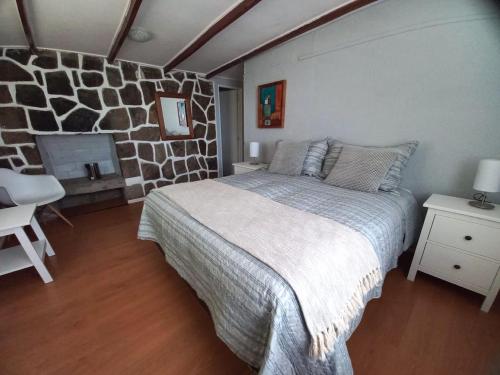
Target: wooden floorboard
column 117, row 308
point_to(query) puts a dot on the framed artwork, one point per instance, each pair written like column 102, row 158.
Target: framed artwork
column 271, row 105
column 174, row 115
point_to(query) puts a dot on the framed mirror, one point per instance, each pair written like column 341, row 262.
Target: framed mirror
column 174, row 115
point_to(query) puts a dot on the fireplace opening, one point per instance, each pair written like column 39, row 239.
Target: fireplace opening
column 65, row 157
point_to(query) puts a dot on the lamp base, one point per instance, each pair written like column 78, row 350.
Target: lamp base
column 482, row 205
column 481, row 202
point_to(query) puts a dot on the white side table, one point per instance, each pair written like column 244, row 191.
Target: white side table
column 246, row 167
column 27, row 254
column 460, row 244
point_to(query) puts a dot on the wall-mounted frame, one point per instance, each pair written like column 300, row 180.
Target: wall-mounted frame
column 271, row 105
column 174, row 115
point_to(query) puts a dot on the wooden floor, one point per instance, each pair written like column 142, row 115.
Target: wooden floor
column 117, row 308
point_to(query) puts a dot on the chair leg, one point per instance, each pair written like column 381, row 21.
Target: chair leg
column 33, row 256
column 58, row 213
column 41, row 236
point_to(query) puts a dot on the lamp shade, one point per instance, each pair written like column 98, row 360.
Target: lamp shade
column 254, row 149
column 488, row 176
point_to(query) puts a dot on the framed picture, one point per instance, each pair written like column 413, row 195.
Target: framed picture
column 174, row 115
column 271, row 105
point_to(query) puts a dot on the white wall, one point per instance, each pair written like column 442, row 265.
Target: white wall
column 395, row 71
column 231, row 129
column 220, row 81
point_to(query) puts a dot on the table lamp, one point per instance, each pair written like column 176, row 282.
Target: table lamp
column 254, row 152
column 487, row 181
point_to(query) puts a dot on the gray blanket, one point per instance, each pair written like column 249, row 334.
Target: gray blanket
column 255, row 311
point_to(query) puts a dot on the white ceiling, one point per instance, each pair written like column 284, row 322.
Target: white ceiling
column 89, row 26
column 174, row 23
column 11, row 31
column 235, row 72
column 265, row 21
column 84, row 26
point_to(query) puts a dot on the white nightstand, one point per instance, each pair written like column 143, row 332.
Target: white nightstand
column 246, row 167
column 460, row 244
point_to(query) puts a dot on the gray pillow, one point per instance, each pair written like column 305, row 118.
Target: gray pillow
column 289, row 158
column 361, row 168
column 334, row 148
column 392, row 180
column 314, row 158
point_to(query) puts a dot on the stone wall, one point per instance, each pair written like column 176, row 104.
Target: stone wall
column 69, row 93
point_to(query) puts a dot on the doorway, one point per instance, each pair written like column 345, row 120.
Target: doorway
column 231, row 127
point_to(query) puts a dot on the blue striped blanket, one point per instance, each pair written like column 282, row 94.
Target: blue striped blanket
column 255, row 311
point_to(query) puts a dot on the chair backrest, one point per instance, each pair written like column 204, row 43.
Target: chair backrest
column 9, row 181
column 5, row 197
column 23, row 189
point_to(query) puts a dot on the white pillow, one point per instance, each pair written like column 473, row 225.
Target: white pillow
column 360, row 168
column 289, row 158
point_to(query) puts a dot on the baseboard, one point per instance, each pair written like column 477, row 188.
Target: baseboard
column 137, row 200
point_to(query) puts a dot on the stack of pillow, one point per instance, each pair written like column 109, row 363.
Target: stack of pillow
column 363, row 168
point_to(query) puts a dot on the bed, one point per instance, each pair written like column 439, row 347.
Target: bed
column 255, row 311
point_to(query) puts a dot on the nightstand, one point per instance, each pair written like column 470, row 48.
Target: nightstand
column 460, row 244
column 246, row 167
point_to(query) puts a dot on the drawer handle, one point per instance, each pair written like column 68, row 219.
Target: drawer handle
column 457, row 267
column 468, row 238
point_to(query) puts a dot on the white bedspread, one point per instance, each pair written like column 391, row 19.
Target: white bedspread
column 330, row 266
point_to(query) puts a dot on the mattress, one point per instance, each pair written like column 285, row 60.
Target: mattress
column 255, row 312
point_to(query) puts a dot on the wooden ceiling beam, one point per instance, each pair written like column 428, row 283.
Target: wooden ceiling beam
column 235, row 13
column 126, row 24
column 26, row 26
column 325, row 18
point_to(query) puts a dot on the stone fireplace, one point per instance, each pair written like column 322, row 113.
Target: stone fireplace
column 65, row 156
column 68, row 94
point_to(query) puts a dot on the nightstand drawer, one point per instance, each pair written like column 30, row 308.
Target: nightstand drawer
column 458, row 267
column 476, row 238
column 239, row 170
column 246, row 167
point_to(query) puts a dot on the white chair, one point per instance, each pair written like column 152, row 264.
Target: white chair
column 19, row 189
